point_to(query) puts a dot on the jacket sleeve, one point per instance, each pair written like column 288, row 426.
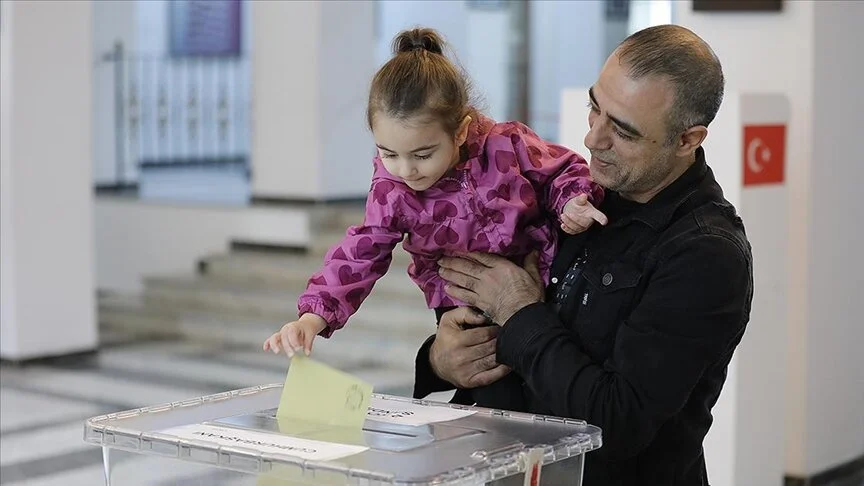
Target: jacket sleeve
column 352, row 267
column 678, row 329
column 557, row 173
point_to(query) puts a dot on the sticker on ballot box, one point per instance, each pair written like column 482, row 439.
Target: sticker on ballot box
column 265, row 442
column 406, row 413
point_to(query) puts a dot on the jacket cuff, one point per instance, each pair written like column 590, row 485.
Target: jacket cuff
column 316, row 306
column 523, row 327
column 425, row 379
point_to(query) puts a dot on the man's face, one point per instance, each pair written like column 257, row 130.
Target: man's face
column 628, row 134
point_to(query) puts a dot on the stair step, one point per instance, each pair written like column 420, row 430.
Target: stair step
column 336, row 217
column 379, row 312
column 352, row 347
column 292, row 272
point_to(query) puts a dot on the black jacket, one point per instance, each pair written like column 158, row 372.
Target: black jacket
column 640, row 343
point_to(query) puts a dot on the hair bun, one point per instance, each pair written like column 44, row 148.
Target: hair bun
column 418, row 39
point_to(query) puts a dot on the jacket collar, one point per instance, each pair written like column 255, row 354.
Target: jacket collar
column 698, row 178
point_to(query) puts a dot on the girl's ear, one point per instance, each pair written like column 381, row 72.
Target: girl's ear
column 462, row 131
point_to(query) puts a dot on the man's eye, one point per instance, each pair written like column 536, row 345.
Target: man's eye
column 623, row 135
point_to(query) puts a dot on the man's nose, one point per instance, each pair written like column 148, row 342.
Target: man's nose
column 597, row 137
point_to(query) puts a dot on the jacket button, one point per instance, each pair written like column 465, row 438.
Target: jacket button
column 554, row 280
column 607, row 279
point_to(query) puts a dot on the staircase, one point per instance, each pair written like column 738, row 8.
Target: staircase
column 237, row 299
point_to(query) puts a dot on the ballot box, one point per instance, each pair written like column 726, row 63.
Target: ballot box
column 235, row 438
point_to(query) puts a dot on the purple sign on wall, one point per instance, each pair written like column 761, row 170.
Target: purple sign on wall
column 205, row 27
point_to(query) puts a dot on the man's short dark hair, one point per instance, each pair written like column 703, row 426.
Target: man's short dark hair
column 677, row 54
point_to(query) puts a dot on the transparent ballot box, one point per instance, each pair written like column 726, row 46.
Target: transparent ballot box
column 235, row 438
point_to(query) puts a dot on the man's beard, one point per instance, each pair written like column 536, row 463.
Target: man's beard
column 625, row 178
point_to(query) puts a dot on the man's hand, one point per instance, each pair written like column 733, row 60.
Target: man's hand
column 492, row 283
column 579, row 214
column 465, row 356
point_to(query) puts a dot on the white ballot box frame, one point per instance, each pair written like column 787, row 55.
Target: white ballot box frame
column 439, row 443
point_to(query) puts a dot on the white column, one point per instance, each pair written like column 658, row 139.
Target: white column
column 46, row 71
column 312, row 63
column 747, row 148
column 568, row 45
column 835, row 268
column 809, row 52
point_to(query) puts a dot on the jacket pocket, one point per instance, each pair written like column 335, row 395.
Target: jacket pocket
column 606, row 300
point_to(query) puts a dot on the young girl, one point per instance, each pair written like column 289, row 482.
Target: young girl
column 448, row 180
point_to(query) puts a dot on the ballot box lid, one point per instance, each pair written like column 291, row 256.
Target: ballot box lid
column 403, row 441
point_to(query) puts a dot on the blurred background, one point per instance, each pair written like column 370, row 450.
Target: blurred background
column 173, row 172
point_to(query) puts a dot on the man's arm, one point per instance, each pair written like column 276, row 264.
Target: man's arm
column 693, row 312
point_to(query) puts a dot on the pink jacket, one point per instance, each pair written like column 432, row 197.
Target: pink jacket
column 505, row 198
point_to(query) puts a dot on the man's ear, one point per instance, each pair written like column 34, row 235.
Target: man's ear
column 690, row 140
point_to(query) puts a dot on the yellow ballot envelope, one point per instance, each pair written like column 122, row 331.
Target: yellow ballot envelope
column 317, row 393
column 336, row 434
column 318, row 403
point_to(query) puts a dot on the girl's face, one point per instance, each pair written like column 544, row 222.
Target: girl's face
column 417, row 150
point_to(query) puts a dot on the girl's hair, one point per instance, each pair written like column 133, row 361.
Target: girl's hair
column 420, row 80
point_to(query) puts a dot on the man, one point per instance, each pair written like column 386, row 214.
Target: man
column 637, row 328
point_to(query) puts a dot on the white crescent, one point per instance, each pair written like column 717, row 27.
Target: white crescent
column 751, row 161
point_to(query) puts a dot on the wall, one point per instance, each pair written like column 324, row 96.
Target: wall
column 835, row 368
column 8, row 332
column 805, row 54
column 735, row 37
column 135, row 239
column 47, row 284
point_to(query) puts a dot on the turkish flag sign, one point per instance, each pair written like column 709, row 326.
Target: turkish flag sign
column 764, row 154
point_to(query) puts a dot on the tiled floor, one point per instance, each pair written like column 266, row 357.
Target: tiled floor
column 43, row 407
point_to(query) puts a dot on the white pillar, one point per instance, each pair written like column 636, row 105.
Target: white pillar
column 562, row 56
column 46, row 71
column 747, row 148
column 810, row 52
column 312, row 63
